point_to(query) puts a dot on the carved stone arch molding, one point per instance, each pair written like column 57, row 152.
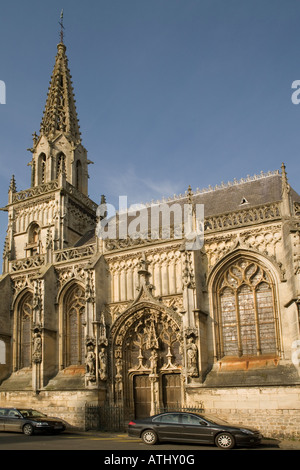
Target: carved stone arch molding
column 146, row 347
column 243, row 292
column 242, row 249
column 65, row 288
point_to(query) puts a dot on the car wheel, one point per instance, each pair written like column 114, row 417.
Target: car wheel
column 149, row 437
column 28, row 429
column 224, row 440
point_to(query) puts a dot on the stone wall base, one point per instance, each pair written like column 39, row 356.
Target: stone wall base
column 67, row 405
column 275, row 411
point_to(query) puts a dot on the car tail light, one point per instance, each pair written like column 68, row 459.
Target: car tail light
column 132, row 423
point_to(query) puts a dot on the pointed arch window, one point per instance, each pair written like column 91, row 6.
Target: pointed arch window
column 42, row 168
column 33, row 234
column 24, row 330
column 74, row 326
column 33, row 245
column 247, row 316
column 61, row 164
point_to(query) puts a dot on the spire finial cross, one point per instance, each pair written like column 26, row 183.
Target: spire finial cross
column 61, row 23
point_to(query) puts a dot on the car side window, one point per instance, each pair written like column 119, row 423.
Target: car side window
column 192, row 419
column 168, row 418
column 2, row 412
column 13, row 414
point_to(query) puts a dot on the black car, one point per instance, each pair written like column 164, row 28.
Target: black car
column 192, row 427
column 28, row 421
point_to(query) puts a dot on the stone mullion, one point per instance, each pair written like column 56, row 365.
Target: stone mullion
column 157, row 278
column 80, row 337
column 219, row 335
column 67, row 341
column 178, row 276
column 118, row 297
column 238, row 323
column 112, row 280
column 123, row 287
column 258, row 342
column 89, row 302
column 115, row 285
column 172, row 277
column 165, row 277
column 129, row 284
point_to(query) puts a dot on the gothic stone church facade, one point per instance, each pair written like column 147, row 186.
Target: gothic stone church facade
column 148, row 324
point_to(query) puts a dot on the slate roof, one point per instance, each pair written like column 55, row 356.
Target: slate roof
column 231, row 197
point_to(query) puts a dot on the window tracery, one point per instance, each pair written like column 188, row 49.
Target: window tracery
column 42, row 169
column 75, row 321
column 32, row 248
column 25, row 328
column 61, row 164
column 247, row 316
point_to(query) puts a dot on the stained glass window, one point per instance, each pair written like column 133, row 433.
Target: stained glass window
column 247, row 316
column 25, row 330
column 75, row 306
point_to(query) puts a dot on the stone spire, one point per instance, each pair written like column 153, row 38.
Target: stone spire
column 285, row 187
column 12, row 185
column 60, row 115
column 285, row 192
column 58, row 153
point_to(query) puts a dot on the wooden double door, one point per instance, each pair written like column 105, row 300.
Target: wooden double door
column 167, row 396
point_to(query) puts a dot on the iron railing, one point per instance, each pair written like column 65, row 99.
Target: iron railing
column 104, row 418
column 178, row 407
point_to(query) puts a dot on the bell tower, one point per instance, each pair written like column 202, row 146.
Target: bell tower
column 58, row 148
column 55, row 212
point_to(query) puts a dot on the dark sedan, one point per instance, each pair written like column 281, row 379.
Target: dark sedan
column 28, row 421
column 192, row 427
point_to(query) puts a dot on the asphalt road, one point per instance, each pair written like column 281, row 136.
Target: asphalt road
column 120, row 442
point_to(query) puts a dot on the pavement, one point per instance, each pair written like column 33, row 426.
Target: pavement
column 288, row 444
column 281, row 443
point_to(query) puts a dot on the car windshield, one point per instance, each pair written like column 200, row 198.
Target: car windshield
column 212, row 419
column 215, row 420
column 31, row 414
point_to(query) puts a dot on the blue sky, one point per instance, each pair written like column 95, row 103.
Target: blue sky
column 169, row 92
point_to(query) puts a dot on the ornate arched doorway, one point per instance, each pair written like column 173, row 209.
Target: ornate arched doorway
column 146, row 360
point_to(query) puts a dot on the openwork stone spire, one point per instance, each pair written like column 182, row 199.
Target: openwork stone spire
column 60, row 116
